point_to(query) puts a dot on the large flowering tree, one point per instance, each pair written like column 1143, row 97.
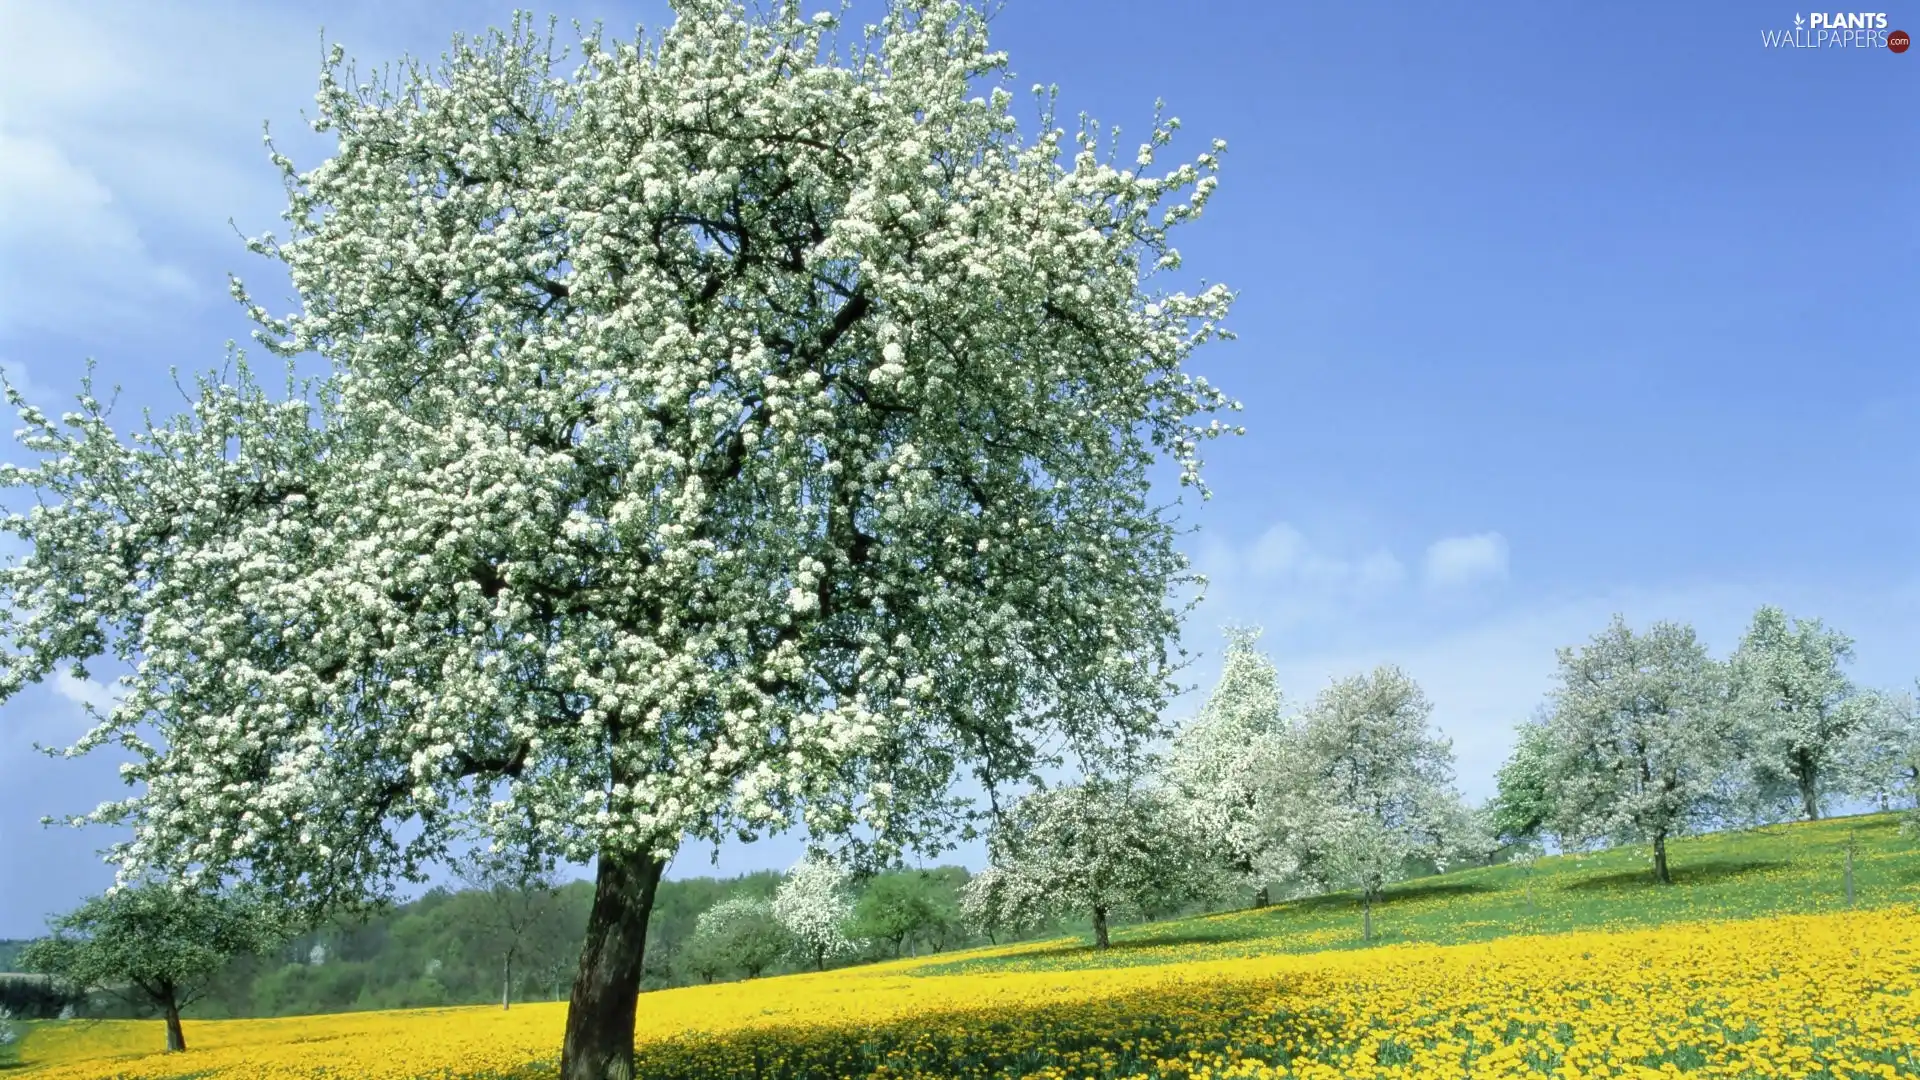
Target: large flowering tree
column 1799, row 707
column 1640, row 738
column 736, row 433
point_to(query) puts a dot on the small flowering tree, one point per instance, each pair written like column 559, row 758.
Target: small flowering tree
column 1521, row 809
column 1233, row 771
column 1880, row 758
column 743, row 432
column 814, row 906
column 741, row 932
column 990, row 904
column 1381, row 779
column 1102, row 847
column 154, row 943
column 1526, row 856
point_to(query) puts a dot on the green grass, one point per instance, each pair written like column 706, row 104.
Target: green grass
column 1779, row 869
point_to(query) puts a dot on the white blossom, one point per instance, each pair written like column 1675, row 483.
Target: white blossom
column 814, row 904
column 1796, row 705
column 1103, row 847
column 1639, row 738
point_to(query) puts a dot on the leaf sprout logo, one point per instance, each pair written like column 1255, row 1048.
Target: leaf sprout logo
column 1837, row 30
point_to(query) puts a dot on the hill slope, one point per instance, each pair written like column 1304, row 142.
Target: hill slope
column 1781, row 869
column 1705, row 975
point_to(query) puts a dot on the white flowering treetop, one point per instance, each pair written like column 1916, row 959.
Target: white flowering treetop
column 1880, row 757
column 1797, row 704
column 988, row 904
column 742, row 933
column 1103, row 847
column 735, row 433
column 1233, row 769
column 814, row 904
column 1381, row 781
column 1640, row 738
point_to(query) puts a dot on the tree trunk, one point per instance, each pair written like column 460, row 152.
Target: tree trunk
column 1262, row 898
column 819, row 960
column 606, row 992
column 1100, row 928
column 1366, row 916
column 1809, row 793
column 1660, row 870
column 506, row 983
column 176, row 1039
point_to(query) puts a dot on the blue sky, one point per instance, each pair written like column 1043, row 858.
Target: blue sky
column 1546, row 312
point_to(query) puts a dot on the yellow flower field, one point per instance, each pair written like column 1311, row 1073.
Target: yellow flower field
column 1799, row 996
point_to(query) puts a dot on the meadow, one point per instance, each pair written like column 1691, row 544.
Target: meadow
column 1751, row 965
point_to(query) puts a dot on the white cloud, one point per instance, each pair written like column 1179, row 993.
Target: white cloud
column 23, row 381
column 66, row 246
column 1283, row 553
column 1458, row 561
column 85, row 692
column 1299, row 583
column 130, row 136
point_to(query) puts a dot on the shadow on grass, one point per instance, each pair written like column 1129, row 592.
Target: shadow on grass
column 1124, row 1034
column 1395, row 894
column 1701, row 873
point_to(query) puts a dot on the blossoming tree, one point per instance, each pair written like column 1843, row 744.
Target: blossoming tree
column 738, row 433
column 1640, row 738
column 742, row 933
column 1798, row 705
column 1234, row 769
column 1104, row 847
column 1880, row 758
column 814, row 905
column 1382, row 780
column 154, row 944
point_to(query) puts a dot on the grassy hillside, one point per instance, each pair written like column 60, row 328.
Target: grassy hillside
column 1780, row 869
column 1749, row 966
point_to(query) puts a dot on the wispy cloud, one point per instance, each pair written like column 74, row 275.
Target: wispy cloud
column 86, row 692
column 118, row 167
column 67, row 247
column 1459, row 561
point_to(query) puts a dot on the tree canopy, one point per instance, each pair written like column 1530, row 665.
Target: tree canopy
column 155, row 941
column 1642, row 737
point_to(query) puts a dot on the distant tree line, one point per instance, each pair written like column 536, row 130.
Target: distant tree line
column 451, row 945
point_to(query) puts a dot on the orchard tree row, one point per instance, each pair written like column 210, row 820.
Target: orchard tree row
column 1355, row 791
column 1647, row 736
